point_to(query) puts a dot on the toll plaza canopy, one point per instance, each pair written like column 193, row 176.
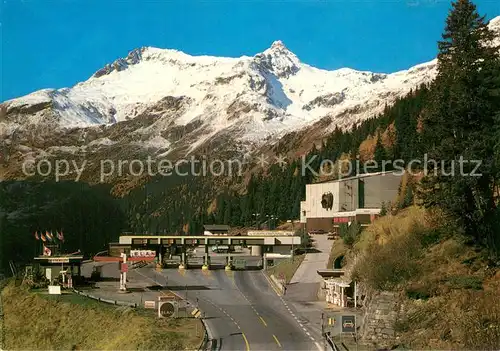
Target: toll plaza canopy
column 146, row 240
column 58, row 260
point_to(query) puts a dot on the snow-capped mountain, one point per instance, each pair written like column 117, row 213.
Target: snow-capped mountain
column 265, row 95
column 167, row 100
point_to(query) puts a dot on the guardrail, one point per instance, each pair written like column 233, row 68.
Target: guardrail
column 330, row 342
column 108, row 301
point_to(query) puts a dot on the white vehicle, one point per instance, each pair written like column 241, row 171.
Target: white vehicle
column 220, row 248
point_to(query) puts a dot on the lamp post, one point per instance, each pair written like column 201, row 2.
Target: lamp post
column 256, row 215
column 271, row 220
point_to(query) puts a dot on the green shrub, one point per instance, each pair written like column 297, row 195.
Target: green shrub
column 465, row 282
column 418, row 292
column 350, row 234
column 401, row 325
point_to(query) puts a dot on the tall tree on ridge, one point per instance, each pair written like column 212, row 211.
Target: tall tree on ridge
column 459, row 124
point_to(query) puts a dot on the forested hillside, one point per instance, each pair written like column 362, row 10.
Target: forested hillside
column 89, row 218
column 456, row 117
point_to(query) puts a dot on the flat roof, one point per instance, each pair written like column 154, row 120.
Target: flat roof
column 358, row 176
column 216, row 227
column 327, row 273
column 59, row 259
column 282, row 240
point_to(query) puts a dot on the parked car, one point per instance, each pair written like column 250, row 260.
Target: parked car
column 317, row 231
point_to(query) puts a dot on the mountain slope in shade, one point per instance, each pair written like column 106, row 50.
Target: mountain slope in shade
column 170, row 103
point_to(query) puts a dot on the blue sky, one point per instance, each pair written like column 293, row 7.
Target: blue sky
column 55, row 44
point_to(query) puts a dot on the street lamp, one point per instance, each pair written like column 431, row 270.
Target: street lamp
column 256, row 215
column 271, row 221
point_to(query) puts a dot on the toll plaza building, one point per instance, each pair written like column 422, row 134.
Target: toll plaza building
column 358, row 198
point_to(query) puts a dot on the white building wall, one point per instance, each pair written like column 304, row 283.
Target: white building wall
column 314, row 193
column 378, row 188
column 348, row 195
column 303, row 207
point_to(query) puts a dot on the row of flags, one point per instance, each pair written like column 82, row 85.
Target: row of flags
column 49, row 236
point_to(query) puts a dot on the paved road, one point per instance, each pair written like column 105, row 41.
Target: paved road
column 241, row 310
column 302, row 292
column 245, row 300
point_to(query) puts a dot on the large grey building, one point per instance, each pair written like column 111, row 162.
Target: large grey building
column 342, row 201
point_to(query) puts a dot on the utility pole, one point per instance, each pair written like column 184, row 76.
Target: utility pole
column 323, row 330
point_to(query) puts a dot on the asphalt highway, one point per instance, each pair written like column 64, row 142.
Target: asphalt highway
column 241, row 310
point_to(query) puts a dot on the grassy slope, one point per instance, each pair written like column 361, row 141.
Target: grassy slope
column 60, row 323
column 287, row 267
column 449, row 290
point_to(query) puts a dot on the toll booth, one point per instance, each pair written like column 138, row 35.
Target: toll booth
column 63, row 269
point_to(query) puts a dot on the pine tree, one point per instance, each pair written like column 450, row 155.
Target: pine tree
column 379, row 155
column 383, row 209
column 459, row 122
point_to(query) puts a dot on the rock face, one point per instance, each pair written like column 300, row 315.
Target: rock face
column 380, row 315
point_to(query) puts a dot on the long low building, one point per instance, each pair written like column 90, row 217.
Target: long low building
column 261, row 246
column 145, row 240
column 359, row 198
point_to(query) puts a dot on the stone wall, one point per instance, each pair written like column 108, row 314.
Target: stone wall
column 380, row 314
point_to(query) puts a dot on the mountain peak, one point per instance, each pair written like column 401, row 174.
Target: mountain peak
column 278, row 60
column 278, row 44
column 494, row 24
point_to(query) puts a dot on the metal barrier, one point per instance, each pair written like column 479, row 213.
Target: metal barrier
column 330, row 342
column 108, row 301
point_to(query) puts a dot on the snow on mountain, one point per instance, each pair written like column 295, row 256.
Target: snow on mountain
column 162, row 95
column 268, row 94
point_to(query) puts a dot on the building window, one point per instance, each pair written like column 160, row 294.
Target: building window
column 361, row 193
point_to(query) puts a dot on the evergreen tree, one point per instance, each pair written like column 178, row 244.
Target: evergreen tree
column 379, row 155
column 459, row 122
column 383, row 209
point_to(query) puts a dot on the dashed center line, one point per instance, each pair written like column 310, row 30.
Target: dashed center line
column 291, row 313
column 277, row 341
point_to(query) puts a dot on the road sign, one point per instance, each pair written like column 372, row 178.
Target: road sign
column 348, row 324
column 331, row 321
column 149, row 304
column 196, row 313
column 167, row 309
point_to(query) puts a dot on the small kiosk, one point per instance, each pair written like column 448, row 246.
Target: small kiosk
column 62, row 268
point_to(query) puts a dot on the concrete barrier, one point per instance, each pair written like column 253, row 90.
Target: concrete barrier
column 277, row 284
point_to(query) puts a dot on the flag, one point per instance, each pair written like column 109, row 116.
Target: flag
column 46, row 251
column 60, row 236
column 43, row 237
column 52, row 237
column 48, row 236
column 36, row 236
